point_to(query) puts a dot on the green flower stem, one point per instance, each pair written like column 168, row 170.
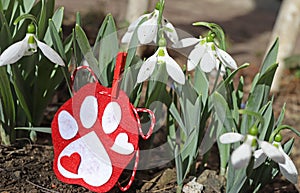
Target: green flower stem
column 216, row 80
column 160, row 6
column 251, row 113
column 281, row 127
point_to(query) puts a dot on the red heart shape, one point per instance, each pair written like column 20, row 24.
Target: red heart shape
column 71, row 163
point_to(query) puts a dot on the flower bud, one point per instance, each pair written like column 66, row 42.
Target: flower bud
column 162, row 42
column 31, row 28
column 278, row 137
column 253, row 131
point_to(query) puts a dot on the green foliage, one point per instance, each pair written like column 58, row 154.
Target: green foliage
column 29, row 85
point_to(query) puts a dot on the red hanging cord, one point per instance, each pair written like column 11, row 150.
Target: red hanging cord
column 152, row 116
column 80, row 68
column 120, row 64
column 137, row 156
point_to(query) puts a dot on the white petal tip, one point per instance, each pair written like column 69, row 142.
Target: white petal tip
column 227, row 138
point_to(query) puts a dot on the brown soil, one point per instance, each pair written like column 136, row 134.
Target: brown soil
column 28, row 168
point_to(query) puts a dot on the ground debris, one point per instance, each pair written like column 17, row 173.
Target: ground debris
column 193, row 187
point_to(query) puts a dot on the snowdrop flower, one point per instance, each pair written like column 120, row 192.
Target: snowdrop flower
column 206, row 53
column 161, row 56
column 241, row 156
column 28, row 46
column 147, row 31
column 287, row 168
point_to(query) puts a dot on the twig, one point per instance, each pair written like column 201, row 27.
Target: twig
column 16, row 151
column 165, row 188
column 45, row 189
column 6, row 189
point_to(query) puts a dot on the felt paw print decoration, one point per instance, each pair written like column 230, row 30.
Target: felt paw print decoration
column 95, row 135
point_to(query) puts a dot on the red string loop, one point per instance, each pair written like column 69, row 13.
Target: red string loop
column 80, row 68
column 137, row 156
column 152, row 117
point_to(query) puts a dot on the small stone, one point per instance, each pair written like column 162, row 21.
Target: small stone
column 17, row 174
column 193, row 187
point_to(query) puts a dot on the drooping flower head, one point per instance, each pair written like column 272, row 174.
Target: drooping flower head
column 148, row 30
column 161, row 56
column 28, row 46
column 241, row 156
column 287, row 168
column 206, row 54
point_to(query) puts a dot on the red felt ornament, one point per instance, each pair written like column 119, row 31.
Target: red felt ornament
column 95, row 134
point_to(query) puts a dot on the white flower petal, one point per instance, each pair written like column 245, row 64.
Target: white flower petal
column 195, row 57
column 172, row 34
column 148, row 30
column 186, row 42
column 135, row 23
column 127, row 37
column 50, row 53
column 259, row 158
column 14, row 52
column 241, row 156
column 207, row 63
column 226, row 59
column 227, row 138
column 174, row 70
column 271, row 151
column 288, row 169
column 147, row 69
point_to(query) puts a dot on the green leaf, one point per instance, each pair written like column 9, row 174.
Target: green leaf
column 178, row 164
column 42, row 23
column 57, row 20
column 281, row 116
column 259, row 95
column 190, row 148
column 28, row 4
column 10, row 12
column 288, row 146
column 271, row 57
column 268, row 125
column 224, row 149
column 130, row 77
column 38, row 129
column 87, row 51
column 223, row 112
column 235, row 179
column 5, row 4
column 174, row 112
column 107, row 43
column 224, row 84
column 50, row 4
column 6, row 98
column 22, row 91
column 201, row 84
column 57, row 40
column 5, row 34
